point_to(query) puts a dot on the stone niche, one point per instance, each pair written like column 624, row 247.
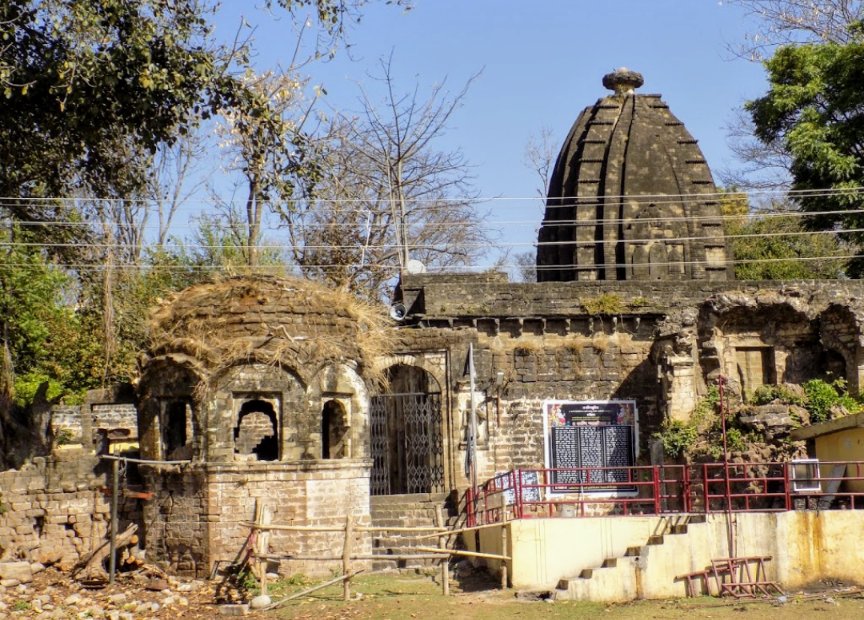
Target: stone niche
column 780, row 337
column 256, row 390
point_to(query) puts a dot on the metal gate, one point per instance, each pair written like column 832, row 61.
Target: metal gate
column 407, row 444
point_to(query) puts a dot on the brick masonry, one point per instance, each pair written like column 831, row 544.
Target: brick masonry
column 55, row 510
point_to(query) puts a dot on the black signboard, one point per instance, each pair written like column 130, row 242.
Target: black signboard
column 587, row 446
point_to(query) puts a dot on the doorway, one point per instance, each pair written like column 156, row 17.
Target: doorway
column 407, row 442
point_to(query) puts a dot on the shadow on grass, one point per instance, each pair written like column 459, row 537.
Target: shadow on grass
column 471, row 579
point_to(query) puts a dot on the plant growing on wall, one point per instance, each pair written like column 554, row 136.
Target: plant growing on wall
column 607, row 303
column 822, row 397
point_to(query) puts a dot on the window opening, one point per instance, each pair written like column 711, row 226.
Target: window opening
column 174, row 435
column 334, row 431
column 256, row 433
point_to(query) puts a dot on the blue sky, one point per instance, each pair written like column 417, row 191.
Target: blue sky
column 542, row 63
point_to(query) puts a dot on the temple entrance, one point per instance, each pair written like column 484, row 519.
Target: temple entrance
column 406, row 434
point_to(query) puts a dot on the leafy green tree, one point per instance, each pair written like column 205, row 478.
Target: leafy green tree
column 773, row 245
column 37, row 321
column 88, row 84
column 813, row 110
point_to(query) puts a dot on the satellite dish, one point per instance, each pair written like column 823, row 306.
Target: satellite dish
column 397, row 312
column 414, row 266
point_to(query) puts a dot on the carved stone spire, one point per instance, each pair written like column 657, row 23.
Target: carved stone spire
column 631, row 196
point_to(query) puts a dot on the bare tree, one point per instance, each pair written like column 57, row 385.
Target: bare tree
column 795, row 21
column 268, row 146
column 386, row 193
column 176, row 177
column 763, row 166
column 541, row 151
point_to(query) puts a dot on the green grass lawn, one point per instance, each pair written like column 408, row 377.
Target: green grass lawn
column 395, row 596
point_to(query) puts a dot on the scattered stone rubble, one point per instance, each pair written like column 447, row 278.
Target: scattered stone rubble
column 48, row 594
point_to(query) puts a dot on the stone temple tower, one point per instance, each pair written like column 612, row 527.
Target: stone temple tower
column 631, row 196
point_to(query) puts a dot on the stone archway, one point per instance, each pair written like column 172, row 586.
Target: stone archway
column 406, row 434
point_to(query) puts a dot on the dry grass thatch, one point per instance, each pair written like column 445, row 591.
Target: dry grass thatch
column 280, row 321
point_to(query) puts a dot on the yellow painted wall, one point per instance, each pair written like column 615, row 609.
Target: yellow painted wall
column 804, row 546
column 844, row 445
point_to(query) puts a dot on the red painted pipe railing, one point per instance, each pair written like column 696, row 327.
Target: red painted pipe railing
column 661, row 489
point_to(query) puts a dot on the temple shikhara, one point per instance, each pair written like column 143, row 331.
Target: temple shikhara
column 631, row 196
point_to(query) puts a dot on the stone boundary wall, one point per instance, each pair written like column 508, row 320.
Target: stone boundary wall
column 432, row 295
column 54, row 511
column 68, row 418
column 197, row 518
column 107, row 416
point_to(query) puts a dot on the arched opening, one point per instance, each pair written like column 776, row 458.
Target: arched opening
column 256, row 433
column 407, row 441
column 334, row 431
column 176, row 429
column 832, row 365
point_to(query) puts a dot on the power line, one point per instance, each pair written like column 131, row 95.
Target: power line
column 281, row 267
column 421, row 246
column 448, row 202
column 557, row 223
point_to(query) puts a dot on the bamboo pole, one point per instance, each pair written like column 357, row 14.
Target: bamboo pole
column 320, row 586
column 400, row 528
column 112, row 552
column 415, row 556
column 463, row 530
column 341, row 528
column 294, row 528
column 445, row 565
column 346, row 557
column 333, row 558
column 470, row 554
column 504, row 562
column 263, row 514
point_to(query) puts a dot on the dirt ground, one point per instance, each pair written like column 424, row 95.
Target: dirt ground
column 52, row 595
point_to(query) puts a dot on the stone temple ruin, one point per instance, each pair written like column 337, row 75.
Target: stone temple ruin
column 283, row 390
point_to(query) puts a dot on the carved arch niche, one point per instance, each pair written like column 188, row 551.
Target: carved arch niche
column 169, row 416
column 760, row 344
column 339, row 404
column 840, row 333
column 257, row 412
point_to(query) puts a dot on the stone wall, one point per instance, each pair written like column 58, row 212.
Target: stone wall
column 55, row 510
column 199, row 516
column 658, row 343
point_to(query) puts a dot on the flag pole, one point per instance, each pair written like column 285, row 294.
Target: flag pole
column 472, row 429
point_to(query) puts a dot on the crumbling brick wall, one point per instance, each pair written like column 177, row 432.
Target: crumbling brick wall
column 199, row 515
column 55, row 510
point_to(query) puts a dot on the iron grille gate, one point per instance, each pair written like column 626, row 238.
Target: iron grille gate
column 407, row 444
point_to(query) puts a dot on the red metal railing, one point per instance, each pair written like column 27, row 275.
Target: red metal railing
column 663, row 489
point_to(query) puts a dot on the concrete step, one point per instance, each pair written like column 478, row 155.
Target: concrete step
column 646, row 571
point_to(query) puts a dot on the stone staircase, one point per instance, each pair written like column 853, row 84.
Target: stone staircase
column 646, row 571
column 410, row 510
